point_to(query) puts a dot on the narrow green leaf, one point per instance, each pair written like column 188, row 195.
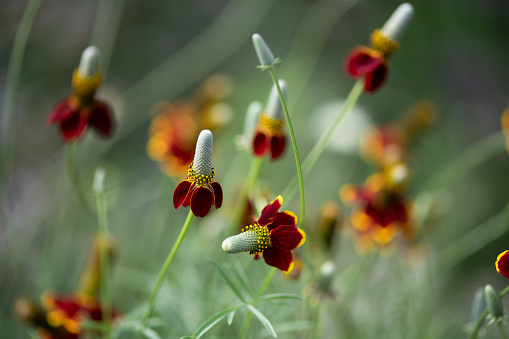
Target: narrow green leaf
column 246, row 282
column 229, row 319
column 238, row 278
column 134, row 326
column 213, row 320
column 228, row 281
column 263, row 319
column 277, row 296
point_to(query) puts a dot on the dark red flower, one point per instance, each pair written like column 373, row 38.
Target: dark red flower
column 502, row 264
column 274, row 235
column 269, row 137
column 79, row 110
column 371, row 62
column 199, row 190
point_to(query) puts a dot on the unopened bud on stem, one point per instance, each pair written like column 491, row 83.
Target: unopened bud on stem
column 263, row 51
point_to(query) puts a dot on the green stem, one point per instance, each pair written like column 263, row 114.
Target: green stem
column 102, row 217
column 273, row 74
column 249, row 318
column 502, row 331
column 316, row 322
column 247, row 186
column 74, row 175
column 11, row 93
column 164, row 270
column 477, row 326
column 324, row 140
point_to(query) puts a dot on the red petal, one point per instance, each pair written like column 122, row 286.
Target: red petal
column 180, row 193
column 392, row 211
column 375, row 79
column 279, row 259
column 72, row 127
column 269, row 212
column 101, row 119
column 62, row 111
column 287, row 238
column 201, row 201
column 362, row 60
column 218, row 194
column 260, row 143
column 283, row 218
column 277, row 146
column 502, row 264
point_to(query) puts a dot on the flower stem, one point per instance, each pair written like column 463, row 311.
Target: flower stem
column 502, row 331
column 102, row 218
column 273, row 74
column 74, row 175
column 163, row 271
column 11, row 93
column 252, row 177
column 324, row 140
column 249, row 318
column 477, row 326
column 316, row 322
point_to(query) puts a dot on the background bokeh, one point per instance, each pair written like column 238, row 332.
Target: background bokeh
column 454, row 53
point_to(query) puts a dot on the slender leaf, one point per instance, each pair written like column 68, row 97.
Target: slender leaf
column 263, row 319
column 213, row 320
column 134, row 326
column 228, row 281
column 246, row 282
column 277, row 296
column 229, row 319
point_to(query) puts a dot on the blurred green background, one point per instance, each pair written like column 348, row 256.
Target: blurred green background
column 454, row 53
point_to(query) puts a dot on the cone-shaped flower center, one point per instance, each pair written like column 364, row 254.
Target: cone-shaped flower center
column 200, row 179
column 202, row 164
column 382, row 43
column 85, row 87
column 253, row 239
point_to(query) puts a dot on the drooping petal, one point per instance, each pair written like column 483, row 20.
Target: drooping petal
column 260, row 143
column 277, row 146
column 101, row 119
column 201, row 201
column 72, row 128
column 62, row 111
column 269, row 212
column 376, row 78
column 218, row 194
column 283, row 218
column 275, row 257
column 363, row 60
column 287, row 238
column 180, row 193
column 187, row 198
column 502, row 264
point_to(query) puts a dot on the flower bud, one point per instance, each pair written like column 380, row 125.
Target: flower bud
column 99, row 184
column 274, row 109
column 263, row 51
column 89, row 63
column 398, row 22
column 478, row 305
column 202, row 164
column 495, row 306
column 327, row 273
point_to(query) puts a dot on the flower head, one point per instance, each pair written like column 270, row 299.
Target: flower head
column 274, row 235
column 176, row 125
column 79, row 110
column 380, row 208
column 199, row 190
column 269, row 137
column 502, row 264
column 372, row 62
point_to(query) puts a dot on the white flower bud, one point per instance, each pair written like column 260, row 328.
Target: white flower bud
column 263, row 51
column 398, row 22
column 202, row 163
column 274, row 109
column 89, row 63
column 99, row 183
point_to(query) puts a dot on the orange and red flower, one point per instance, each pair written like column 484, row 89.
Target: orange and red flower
column 372, row 62
column 199, row 190
column 274, row 235
column 79, row 110
column 502, row 264
column 380, row 211
column 176, row 125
